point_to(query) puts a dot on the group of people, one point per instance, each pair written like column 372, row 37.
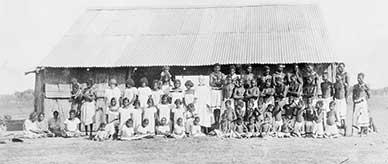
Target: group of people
column 238, row 105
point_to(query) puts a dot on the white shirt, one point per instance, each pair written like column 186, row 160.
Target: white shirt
column 29, row 125
column 164, row 129
column 127, row 132
column 125, row 114
column 72, row 125
column 178, row 112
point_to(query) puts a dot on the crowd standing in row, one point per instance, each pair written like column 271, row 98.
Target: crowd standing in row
column 234, row 105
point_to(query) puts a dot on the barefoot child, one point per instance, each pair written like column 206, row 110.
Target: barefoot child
column 189, row 116
column 278, row 121
column 299, row 122
column 113, row 110
column 239, row 130
column 101, row 134
column 124, row 112
column 136, row 114
column 227, row 118
column 310, row 116
column 319, row 132
column 143, row 130
column 177, row 112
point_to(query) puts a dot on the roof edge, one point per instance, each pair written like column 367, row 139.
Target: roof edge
column 196, row 6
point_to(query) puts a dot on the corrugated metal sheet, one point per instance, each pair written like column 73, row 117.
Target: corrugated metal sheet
column 194, row 36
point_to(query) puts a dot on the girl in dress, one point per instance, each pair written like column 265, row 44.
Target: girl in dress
column 113, row 111
column 163, row 129
column 136, row 114
column 164, row 109
column 178, row 111
column 88, row 108
column 71, row 125
column 30, row 128
column 189, row 116
column 124, row 112
column 189, row 94
column 176, row 92
column 150, row 113
column 130, row 91
column 156, row 93
column 144, row 92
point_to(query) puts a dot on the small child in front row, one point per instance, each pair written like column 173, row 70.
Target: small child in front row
column 101, row 134
column 319, row 132
column 299, row 122
column 253, row 129
column 163, row 129
column 331, row 122
column 127, row 131
column 239, row 129
column 143, row 131
column 189, row 117
column 195, row 130
column 227, row 118
column 179, row 129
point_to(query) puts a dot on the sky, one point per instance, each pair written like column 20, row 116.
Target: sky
column 358, row 31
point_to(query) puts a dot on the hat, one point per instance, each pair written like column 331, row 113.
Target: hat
column 113, row 81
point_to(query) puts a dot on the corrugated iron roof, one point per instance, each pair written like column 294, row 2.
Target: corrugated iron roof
column 263, row 34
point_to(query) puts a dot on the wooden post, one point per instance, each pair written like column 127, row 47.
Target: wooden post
column 39, row 91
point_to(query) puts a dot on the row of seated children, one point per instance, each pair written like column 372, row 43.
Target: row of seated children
column 293, row 119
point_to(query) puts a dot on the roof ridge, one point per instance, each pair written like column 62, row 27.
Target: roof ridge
column 197, row 6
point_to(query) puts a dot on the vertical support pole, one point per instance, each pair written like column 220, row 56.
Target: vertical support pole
column 39, row 91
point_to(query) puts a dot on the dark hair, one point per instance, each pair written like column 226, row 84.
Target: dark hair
column 125, row 99
column 150, row 99
column 178, row 101
column 72, row 111
column 361, row 74
column 136, row 102
column 55, row 112
column 144, row 80
column 130, row 82
column 332, row 103
column 189, row 83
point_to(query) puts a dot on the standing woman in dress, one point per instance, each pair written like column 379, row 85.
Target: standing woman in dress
column 144, row 92
column 88, row 108
column 205, row 113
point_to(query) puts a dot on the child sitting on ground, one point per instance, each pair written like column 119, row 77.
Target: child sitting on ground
column 278, row 122
column 101, row 134
column 239, row 129
column 266, row 126
column 195, row 130
column 252, row 128
column 127, row 131
column 179, row 129
column 71, row 125
column 299, row 123
column 332, row 120
column 286, row 128
column 163, row 129
column 143, row 131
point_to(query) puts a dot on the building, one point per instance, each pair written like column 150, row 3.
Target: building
column 119, row 43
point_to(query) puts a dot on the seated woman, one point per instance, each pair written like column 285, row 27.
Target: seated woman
column 71, row 125
column 42, row 125
column 55, row 125
column 31, row 129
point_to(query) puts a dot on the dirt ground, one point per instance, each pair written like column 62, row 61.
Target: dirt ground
column 370, row 149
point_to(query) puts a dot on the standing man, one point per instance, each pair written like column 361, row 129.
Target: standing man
column 344, row 75
column 327, row 92
column 340, row 99
column 76, row 96
column 248, row 76
column 216, row 80
column 295, row 71
column 360, row 97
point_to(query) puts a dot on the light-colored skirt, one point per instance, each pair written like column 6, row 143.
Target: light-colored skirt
column 363, row 117
column 88, row 110
column 216, row 98
column 341, row 108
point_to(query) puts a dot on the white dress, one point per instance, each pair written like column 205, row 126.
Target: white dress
column 125, row 114
column 88, row 110
column 178, row 113
column 113, row 113
column 112, row 93
column 72, row 125
column 176, row 94
column 156, row 95
column 136, row 116
column 149, row 113
column 144, row 94
column 204, row 113
column 130, row 93
column 164, row 111
column 189, row 98
column 127, row 132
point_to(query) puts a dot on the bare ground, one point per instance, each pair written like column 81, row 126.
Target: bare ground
column 371, row 149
